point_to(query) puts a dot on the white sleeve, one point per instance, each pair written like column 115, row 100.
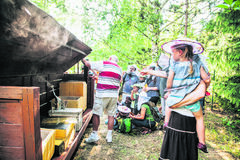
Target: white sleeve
column 98, row 66
column 183, row 111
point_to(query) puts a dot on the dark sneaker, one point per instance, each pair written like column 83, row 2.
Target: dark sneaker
column 202, row 147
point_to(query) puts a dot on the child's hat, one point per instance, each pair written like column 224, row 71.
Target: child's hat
column 197, row 47
column 144, row 76
column 124, row 109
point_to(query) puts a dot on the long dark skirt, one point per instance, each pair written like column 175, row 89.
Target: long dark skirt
column 177, row 144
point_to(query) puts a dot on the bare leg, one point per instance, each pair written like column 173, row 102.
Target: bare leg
column 110, row 122
column 167, row 114
column 96, row 122
column 200, row 126
column 194, row 96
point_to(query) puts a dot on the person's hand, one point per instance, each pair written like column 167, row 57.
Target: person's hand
column 83, row 60
column 134, row 91
column 144, row 72
column 145, row 89
column 166, row 95
column 93, row 77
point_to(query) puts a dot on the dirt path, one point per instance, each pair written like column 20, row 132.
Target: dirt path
column 132, row 147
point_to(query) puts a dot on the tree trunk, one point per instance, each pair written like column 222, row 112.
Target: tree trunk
column 154, row 50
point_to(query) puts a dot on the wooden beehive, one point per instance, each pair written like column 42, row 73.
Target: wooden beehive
column 72, row 102
column 48, row 143
column 20, row 123
column 59, row 147
column 64, row 120
column 64, row 131
column 73, row 88
column 69, row 138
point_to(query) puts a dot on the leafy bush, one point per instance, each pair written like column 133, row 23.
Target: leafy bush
column 222, row 38
column 228, row 93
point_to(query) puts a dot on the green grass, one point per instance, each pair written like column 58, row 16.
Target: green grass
column 221, row 136
column 222, row 141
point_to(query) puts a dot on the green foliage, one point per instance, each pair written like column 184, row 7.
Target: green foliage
column 232, row 123
column 133, row 32
column 228, row 90
column 230, row 5
column 132, row 29
column 222, row 38
column 46, row 4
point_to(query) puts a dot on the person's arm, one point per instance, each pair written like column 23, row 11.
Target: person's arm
column 192, row 97
column 86, row 63
column 142, row 114
column 169, row 83
column 151, row 89
column 205, row 77
column 123, row 77
column 162, row 74
column 155, row 87
column 132, row 95
column 170, row 79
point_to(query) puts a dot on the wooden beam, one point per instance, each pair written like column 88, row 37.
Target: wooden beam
column 10, row 92
column 31, row 123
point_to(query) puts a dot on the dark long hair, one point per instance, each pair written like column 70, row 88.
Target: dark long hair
column 189, row 54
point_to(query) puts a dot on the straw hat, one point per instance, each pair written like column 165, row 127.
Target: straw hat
column 197, row 47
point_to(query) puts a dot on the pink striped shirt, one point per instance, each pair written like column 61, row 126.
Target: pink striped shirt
column 109, row 78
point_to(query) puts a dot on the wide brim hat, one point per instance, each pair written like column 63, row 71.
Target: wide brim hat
column 124, row 109
column 136, row 85
column 197, row 47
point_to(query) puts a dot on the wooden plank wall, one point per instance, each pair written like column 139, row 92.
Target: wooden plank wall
column 45, row 81
column 20, row 123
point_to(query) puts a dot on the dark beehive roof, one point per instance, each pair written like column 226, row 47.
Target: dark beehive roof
column 32, row 42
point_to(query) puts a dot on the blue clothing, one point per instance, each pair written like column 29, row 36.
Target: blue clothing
column 163, row 86
column 153, row 82
column 129, row 80
column 163, row 83
column 195, row 107
column 183, row 79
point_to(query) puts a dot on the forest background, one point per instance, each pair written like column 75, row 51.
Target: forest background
column 134, row 30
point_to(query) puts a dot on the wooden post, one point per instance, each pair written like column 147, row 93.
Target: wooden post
column 78, row 68
column 213, row 89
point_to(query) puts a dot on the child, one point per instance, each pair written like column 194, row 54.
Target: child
column 127, row 102
column 186, row 71
column 134, row 97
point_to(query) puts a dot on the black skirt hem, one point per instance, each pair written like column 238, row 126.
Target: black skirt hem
column 177, row 144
